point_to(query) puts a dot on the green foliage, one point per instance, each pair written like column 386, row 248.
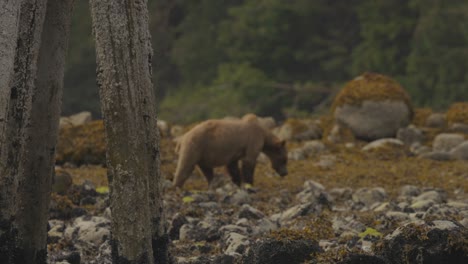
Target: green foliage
column 214, row 58
column 437, row 71
column 386, row 31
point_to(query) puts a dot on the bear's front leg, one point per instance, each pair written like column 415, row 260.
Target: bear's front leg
column 248, row 168
column 234, row 172
column 208, row 172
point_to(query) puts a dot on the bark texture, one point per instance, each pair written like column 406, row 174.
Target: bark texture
column 32, row 123
column 124, row 56
column 9, row 19
column 16, row 111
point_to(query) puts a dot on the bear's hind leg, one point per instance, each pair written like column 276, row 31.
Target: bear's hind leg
column 233, row 170
column 248, row 169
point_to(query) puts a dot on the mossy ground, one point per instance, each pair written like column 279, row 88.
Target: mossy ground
column 353, row 168
column 458, row 113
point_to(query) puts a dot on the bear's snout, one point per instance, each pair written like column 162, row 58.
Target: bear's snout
column 282, row 171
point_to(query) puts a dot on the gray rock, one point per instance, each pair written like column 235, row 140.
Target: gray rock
column 374, row 119
column 383, row 142
column 55, row 233
column 410, row 135
column 313, row 147
column 445, row 142
column 206, row 230
column 347, row 224
column 460, row 152
column 418, row 149
column 236, row 243
column 299, row 210
column 163, row 127
column 92, row 230
column 239, row 197
column 249, row 212
column 409, row 191
column 459, row 128
column 264, row 226
column 226, row 229
column 326, row 162
column 399, row 216
column 422, row 205
column 369, row 196
column 178, row 220
column 314, row 192
column 431, row 195
column 464, row 222
column 436, row 120
column 76, row 119
column 296, row 154
column 341, row 194
column 437, row 155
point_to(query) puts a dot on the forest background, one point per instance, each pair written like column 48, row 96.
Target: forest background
column 214, row 58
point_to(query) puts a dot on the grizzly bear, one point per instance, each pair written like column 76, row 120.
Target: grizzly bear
column 216, row 143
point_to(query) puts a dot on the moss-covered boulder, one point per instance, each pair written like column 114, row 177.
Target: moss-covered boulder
column 458, row 113
column 84, row 144
column 373, row 106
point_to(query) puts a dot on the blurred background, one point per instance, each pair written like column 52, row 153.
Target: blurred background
column 214, row 58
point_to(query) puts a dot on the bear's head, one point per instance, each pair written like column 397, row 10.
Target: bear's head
column 278, row 155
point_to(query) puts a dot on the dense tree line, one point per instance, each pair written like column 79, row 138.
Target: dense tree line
column 274, row 57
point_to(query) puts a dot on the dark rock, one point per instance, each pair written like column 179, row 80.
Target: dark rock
column 272, row 251
column 436, row 155
column 224, row 259
column 78, row 211
column 88, row 200
column 71, row 257
column 177, row 222
column 249, row 212
column 429, row 243
column 410, row 135
column 363, row 259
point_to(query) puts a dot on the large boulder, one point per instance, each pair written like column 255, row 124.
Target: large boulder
column 373, row 106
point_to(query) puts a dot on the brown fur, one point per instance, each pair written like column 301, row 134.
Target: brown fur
column 216, row 143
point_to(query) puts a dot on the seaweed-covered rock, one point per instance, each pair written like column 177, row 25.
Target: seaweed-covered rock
column 266, row 251
column 436, row 120
column 421, row 242
column 83, row 144
column 458, row 113
column 373, row 106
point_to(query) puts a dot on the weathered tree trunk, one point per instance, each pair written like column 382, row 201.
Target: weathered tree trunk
column 124, row 56
column 9, row 19
column 30, row 134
